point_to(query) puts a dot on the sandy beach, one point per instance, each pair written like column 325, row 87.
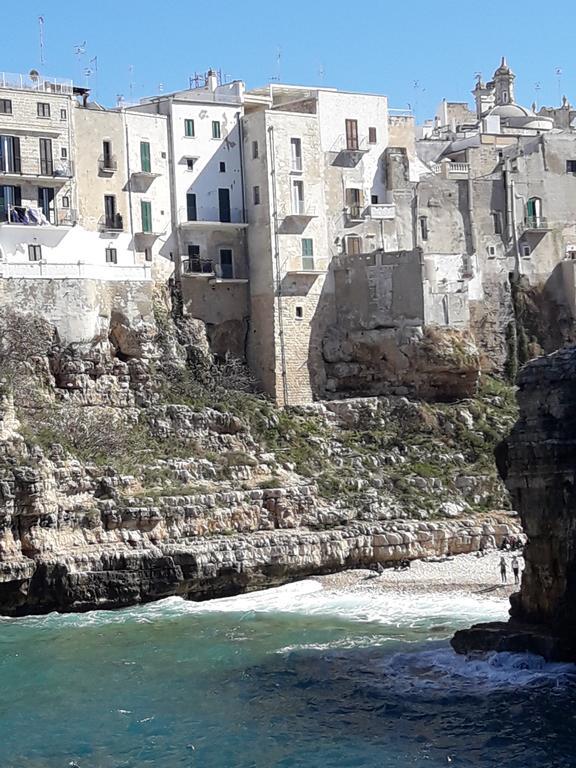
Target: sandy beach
column 462, row 574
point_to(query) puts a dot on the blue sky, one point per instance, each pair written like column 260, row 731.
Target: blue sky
column 415, row 52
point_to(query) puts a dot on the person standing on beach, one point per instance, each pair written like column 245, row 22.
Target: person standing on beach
column 503, row 570
column 516, row 570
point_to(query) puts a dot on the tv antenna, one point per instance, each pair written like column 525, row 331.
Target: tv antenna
column 559, row 73
column 537, row 89
column 41, row 34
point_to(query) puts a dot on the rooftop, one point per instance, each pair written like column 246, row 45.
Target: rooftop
column 33, row 81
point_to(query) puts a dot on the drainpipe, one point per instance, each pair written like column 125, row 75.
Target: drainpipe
column 174, row 200
column 517, row 262
column 277, row 266
column 128, row 171
column 241, row 155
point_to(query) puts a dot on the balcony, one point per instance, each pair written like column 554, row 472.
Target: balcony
column 144, row 175
column 349, row 153
column 60, row 171
column 381, row 211
column 354, row 214
column 538, row 224
column 107, row 165
column 113, row 223
column 449, row 170
column 29, row 216
column 212, row 222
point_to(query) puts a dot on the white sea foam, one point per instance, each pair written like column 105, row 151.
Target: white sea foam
column 443, row 671
column 436, row 612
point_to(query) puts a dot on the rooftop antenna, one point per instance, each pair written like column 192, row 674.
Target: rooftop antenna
column 41, row 32
column 131, row 85
column 279, row 63
column 559, row 74
column 537, row 89
column 321, row 73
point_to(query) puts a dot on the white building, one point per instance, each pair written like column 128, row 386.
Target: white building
column 208, row 209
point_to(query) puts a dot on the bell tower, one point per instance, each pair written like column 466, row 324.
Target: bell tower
column 504, row 84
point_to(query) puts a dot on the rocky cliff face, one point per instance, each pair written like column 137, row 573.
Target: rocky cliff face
column 538, row 465
column 132, row 468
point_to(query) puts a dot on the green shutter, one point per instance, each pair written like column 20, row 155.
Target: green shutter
column 215, row 129
column 145, row 156
column 189, row 127
column 307, row 253
column 146, row 210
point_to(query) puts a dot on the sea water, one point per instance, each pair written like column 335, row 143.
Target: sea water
column 296, row 676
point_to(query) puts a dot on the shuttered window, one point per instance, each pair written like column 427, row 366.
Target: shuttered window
column 307, row 254
column 189, row 128
column 146, row 209
column 145, row 157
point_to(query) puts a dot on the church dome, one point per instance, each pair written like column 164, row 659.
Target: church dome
column 511, row 110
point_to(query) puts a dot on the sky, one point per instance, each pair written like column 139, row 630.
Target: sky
column 415, row 52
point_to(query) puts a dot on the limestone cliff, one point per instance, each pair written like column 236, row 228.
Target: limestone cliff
column 538, row 465
column 133, row 467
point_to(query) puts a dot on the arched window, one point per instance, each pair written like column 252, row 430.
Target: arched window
column 534, row 210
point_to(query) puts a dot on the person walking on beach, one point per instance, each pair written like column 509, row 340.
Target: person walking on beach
column 516, row 570
column 503, row 570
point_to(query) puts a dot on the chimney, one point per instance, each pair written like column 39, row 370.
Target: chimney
column 211, row 80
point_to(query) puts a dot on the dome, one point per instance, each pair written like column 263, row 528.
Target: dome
column 511, row 110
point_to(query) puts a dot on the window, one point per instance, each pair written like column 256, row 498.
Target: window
column 374, row 199
column 148, row 254
column 63, row 153
column 46, row 164
column 497, row 219
column 307, row 254
column 189, row 128
column 299, row 313
column 111, row 256
column 65, row 202
column 112, row 219
column 526, row 250
column 254, row 150
column 256, row 195
column 224, row 205
column 34, row 252
column 222, row 167
column 570, row 164
column 191, row 211
column 372, row 136
column 352, row 134
column 10, row 154
column 424, row 227
column 491, row 251
column 5, row 107
column 107, row 159
column 298, row 197
column 354, row 203
column 63, row 114
column 353, row 245
column 46, row 202
column 145, row 164
column 226, row 264
column 190, row 163
column 9, row 196
column 196, row 263
column 296, row 154
column 146, row 211
column 534, row 212
column 216, row 133
column 43, row 109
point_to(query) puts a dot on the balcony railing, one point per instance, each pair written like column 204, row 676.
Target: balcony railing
column 61, row 169
column 34, row 217
column 35, row 83
column 536, row 223
column 107, row 164
column 194, row 265
column 113, row 223
column 381, row 211
column 355, row 213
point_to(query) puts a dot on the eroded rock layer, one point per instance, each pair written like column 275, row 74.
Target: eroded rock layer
column 538, row 465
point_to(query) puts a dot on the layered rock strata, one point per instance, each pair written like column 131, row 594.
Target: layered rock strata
column 538, row 465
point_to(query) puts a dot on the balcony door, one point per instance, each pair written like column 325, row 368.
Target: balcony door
column 226, row 263
column 352, row 134
column 46, row 202
column 46, row 162
column 224, row 205
column 10, row 154
column 9, row 196
column 110, row 211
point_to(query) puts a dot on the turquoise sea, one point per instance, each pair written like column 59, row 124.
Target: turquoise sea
column 296, row 676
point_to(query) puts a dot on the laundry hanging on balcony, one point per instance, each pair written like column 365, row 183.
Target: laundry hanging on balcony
column 27, row 215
